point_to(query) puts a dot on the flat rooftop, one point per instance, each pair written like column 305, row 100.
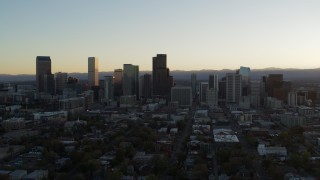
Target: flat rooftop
column 226, row 138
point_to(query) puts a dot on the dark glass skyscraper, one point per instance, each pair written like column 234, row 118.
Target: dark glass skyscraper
column 194, row 84
column 130, row 80
column 213, row 81
column 43, row 73
column 162, row 81
column 118, row 78
column 245, row 75
column 145, row 86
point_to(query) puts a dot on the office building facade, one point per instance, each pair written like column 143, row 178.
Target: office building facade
column 214, row 81
column 117, row 81
column 93, row 71
column 146, row 86
column 43, row 69
column 183, row 95
column 233, row 87
column 194, row 84
column 108, row 88
column 130, row 82
column 161, row 79
column 61, row 81
column 203, row 91
column 245, row 75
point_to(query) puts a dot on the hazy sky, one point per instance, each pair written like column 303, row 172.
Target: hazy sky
column 195, row 34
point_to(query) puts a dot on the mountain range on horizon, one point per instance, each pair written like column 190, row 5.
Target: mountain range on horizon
column 288, row 73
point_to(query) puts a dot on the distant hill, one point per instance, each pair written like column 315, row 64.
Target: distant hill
column 289, row 74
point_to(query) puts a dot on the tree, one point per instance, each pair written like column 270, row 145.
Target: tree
column 10, row 151
column 160, row 164
column 114, row 175
column 266, row 163
column 89, row 166
column 275, row 172
column 200, row 170
column 79, row 176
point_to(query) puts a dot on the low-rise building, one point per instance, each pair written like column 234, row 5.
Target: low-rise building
column 290, row 120
column 18, row 174
column 272, row 151
column 36, row 175
column 42, row 117
column 273, row 103
column 72, row 105
column 128, row 101
column 13, row 124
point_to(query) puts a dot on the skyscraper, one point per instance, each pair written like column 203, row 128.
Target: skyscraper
column 245, row 75
column 222, row 90
column 233, row 87
column 61, row 81
column 49, row 84
column 93, row 71
column 117, row 81
column 108, row 87
column 43, row 68
column 162, row 81
column 130, row 82
column 212, row 91
column 212, row 96
column 274, row 82
column 277, row 87
column 194, row 84
column 203, row 92
column 145, row 86
column 213, row 81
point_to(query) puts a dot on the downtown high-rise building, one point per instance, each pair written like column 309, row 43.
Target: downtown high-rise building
column 245, row 75
column 233, row 87
column 93, row 71
column 117, row 82
column 213, row 81
column 44, row 77
column 194, row 84
column 146, row 86
column 222, row 90
column 277, row 87
column 108, row 87
column 203, row 92
column 212, row 91
column 182, row 95
column 162, row 81
column 130, row 82
column 49, row 84
column 61, row 80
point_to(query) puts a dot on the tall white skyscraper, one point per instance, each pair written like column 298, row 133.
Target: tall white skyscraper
column 233, row 87
column 93, row 71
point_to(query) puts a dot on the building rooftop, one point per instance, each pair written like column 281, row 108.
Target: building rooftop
column 43, row 58
column 226, row 138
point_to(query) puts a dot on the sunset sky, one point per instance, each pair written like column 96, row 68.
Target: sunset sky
column 204, row 34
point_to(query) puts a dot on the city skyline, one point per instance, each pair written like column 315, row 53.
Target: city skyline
column 216, row 35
